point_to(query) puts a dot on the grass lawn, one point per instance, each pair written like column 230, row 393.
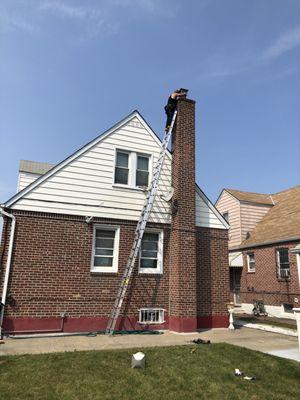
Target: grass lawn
column 171, row 373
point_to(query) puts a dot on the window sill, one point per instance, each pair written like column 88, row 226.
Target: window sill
column 250, row 272
column 151, row 323
column 120, row 186
column 101, row 271
column 141, row 272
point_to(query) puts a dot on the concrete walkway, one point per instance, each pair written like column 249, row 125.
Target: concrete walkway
column 252, row 339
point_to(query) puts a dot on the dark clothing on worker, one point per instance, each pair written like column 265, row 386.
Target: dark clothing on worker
column 170, row 109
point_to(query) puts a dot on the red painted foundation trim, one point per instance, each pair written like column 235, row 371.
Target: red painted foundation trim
column 183, row 324
column 213, row 321
column 82, row 324
column 92, row 324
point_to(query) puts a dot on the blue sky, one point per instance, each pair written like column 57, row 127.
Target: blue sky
column 71, row 69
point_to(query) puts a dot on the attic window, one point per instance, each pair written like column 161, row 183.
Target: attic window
column 226, row 216
column 132, row 169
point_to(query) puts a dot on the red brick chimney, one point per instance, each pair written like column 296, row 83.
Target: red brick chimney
column 183, row 263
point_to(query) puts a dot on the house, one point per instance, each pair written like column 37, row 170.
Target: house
column 75, row 225
column 264, row 247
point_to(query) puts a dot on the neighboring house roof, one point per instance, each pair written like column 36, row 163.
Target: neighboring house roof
column 281, row 223
column 35, row 167
column 251, row 197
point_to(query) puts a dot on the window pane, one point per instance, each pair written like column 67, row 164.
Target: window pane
column 141, row 178
column 148, row 263
column 122, row 160
column 143, row 163
column 103, row 252
column 146, row 245
column 106, row 243
column 105, row 233
column 150, row 237
column 103, row 261
column 121, row 176
column 151, row 254
column 284, row 256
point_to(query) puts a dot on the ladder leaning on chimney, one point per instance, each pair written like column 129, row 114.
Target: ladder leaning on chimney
column 139, row 231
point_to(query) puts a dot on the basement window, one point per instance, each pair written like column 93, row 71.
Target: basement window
column 151, row 253
column 283, row 263
column 251, row 262
column 151, row 316
column 105, row 248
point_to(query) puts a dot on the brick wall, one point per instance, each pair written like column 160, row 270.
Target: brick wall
column 51, row 270
column 264, row 283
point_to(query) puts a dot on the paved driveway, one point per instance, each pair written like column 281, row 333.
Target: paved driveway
column 253, row 339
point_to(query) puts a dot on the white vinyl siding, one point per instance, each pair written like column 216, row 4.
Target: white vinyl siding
column 84, row 186
column 151, row 253
column 251, row 215
column 105, row 248
column 205, row 216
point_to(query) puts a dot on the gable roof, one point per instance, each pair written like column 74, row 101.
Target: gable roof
column 34, row 167
column 212, row 207
column 281, row 223
column 251, row 197
column 82, row 150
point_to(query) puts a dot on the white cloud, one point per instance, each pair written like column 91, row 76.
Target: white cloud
column 286, row 42
column 11, row 23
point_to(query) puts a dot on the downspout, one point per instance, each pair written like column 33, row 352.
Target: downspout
column 8, row 264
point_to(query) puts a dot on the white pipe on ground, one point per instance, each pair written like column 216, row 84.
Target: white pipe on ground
column 8, row 264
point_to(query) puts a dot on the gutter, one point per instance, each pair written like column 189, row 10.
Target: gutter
column 8, row 264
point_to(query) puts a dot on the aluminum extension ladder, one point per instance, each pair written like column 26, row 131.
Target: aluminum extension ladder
column 139, row 232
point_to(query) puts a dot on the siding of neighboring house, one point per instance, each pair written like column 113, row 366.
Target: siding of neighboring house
column 227, row 203
column 25, row 179
column 251, row 215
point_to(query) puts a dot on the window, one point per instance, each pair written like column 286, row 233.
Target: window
column 283, row 264
column 151, row 316
column 132, row 169
column 251, row 262
column 151, row 253
column 226, row 216
column 105, row 249
column 142, row 171
column 122, row 168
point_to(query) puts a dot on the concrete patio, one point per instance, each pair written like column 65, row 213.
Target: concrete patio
column 267, row 342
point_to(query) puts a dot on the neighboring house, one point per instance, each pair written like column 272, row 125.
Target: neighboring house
column 264, row 247
column 75, row 225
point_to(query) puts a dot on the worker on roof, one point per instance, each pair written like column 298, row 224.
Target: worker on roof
column 172, row 103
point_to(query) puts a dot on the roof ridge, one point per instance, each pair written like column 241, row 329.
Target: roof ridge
column 286, row 190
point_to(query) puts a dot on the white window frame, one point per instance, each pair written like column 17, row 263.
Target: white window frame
column 248, row 262
column 285, row 275
column 161, row 312
column 160, row 254
column 114, row 267
column 132, row 166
